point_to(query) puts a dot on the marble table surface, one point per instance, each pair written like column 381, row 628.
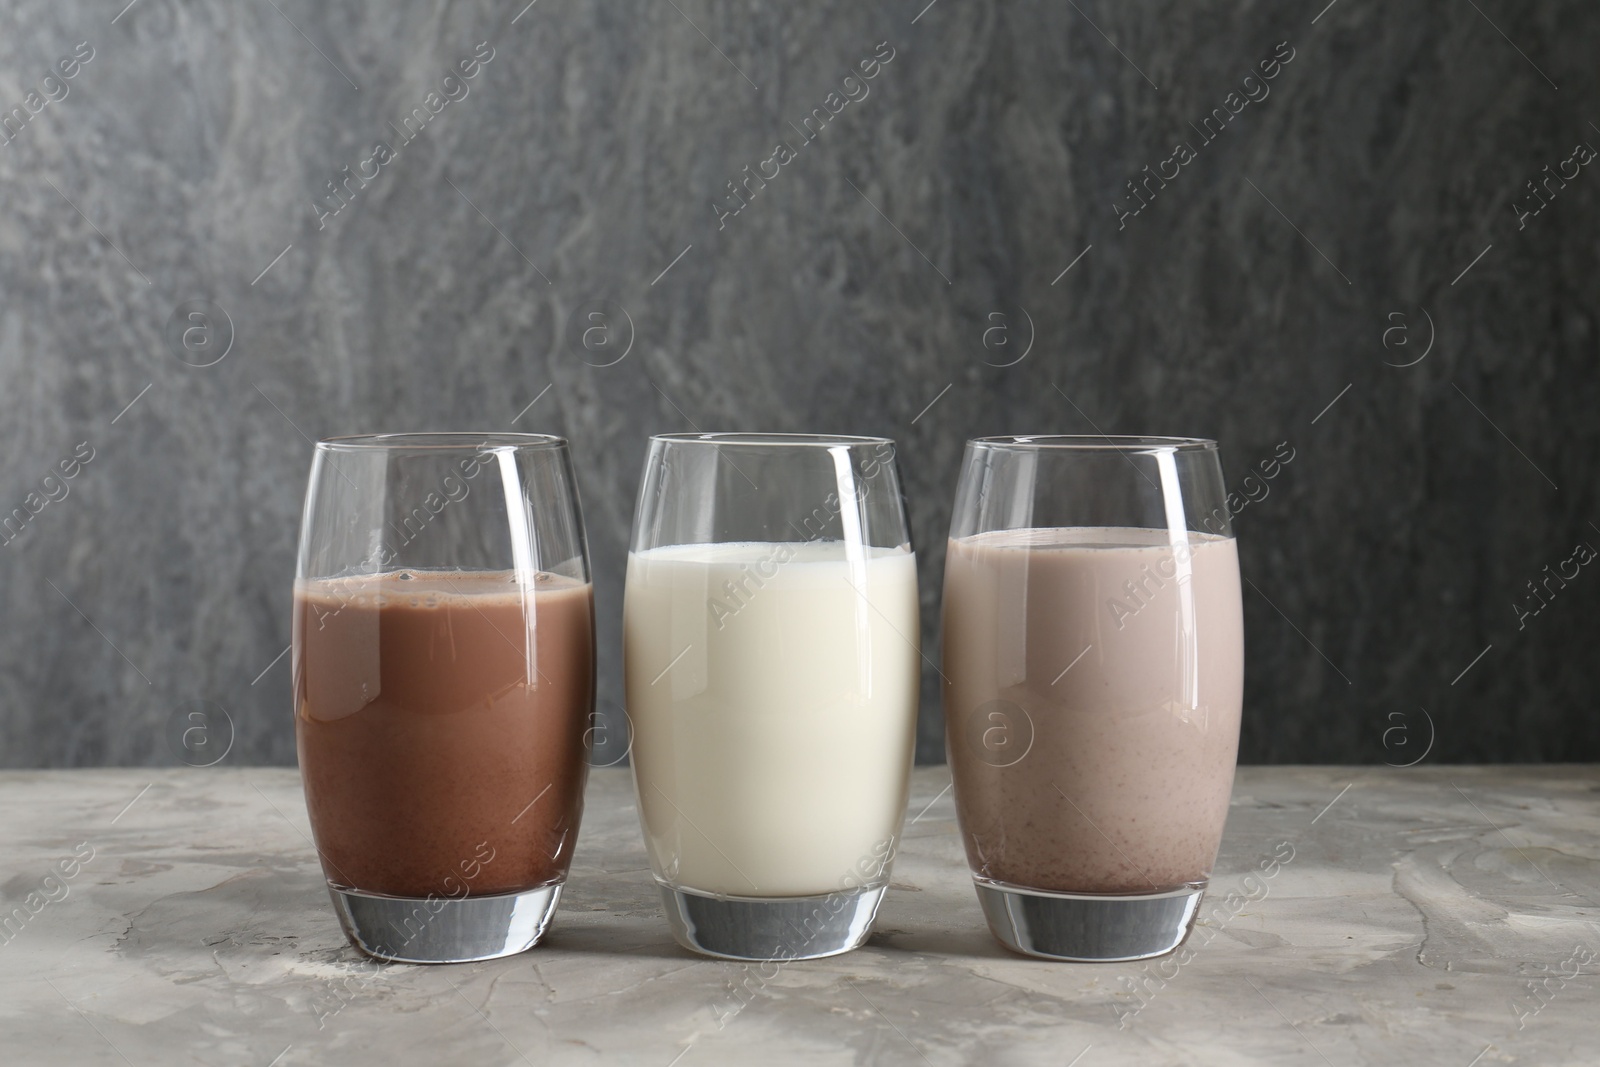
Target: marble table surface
column 1431, row 915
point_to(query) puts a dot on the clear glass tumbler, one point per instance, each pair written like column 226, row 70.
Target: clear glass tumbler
column 1094, row 666
column 443, row 683
column 770, row 638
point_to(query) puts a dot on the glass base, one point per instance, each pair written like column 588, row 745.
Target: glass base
column 444, row 929
column 771, row 928
column 1089, row 927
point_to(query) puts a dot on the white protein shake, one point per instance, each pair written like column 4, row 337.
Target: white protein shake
column 772, row 689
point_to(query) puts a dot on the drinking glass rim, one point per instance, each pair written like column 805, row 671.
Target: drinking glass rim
column 1096, row 443
column 436, row 440
column 818, row 440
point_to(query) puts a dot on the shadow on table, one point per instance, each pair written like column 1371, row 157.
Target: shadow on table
column 966, row 942
column 619, row 939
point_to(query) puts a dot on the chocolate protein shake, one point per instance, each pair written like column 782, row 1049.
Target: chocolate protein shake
column 440, row 722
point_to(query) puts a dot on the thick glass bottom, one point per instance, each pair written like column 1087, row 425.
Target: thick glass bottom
column 1089, row 927
column 771, row 928
column 444, row 929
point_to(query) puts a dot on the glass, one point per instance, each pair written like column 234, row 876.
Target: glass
column 770, row 637
column 443, row 683
column 1094, row 667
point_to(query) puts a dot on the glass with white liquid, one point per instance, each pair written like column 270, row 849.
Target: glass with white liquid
column 770, row 636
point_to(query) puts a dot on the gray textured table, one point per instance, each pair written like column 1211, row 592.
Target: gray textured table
column 1441, row 915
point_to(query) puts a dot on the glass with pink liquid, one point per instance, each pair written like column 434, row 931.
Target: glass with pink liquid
column 1093, row 662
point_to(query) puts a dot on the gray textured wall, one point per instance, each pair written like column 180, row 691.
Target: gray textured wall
column 851, row 294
